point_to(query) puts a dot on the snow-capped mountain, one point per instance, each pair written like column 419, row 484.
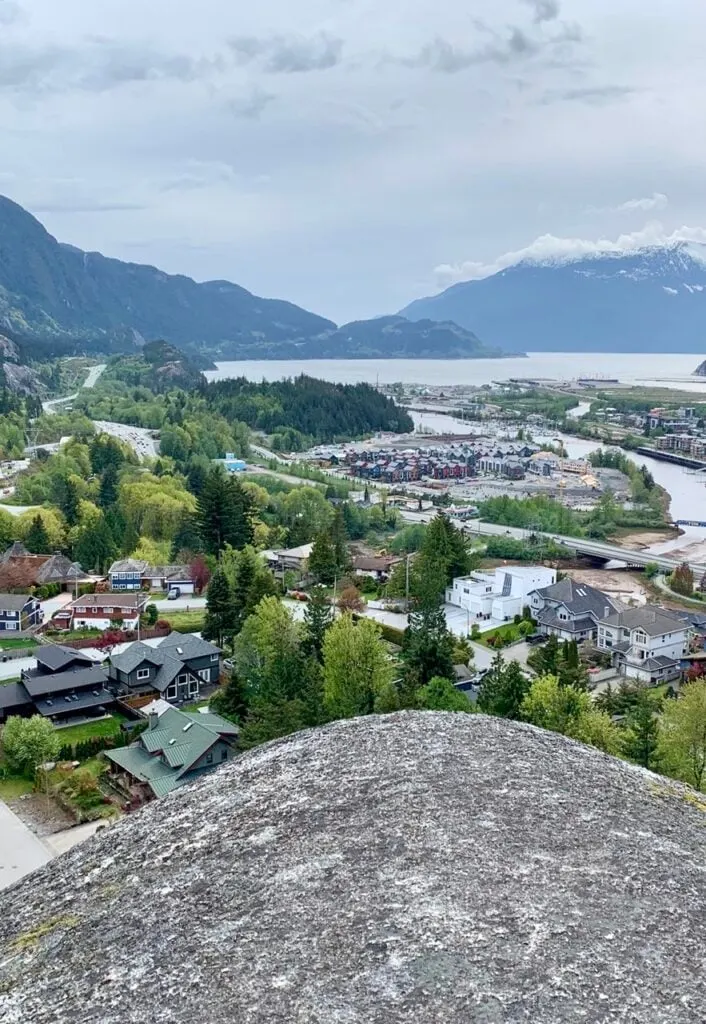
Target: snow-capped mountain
column 646, row 300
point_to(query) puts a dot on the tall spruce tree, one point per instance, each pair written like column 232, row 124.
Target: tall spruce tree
column 219, row 622
column 37, row 539
column 427, row 648
column 318, row 617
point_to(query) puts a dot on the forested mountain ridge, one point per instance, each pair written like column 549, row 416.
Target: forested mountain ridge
column 71, row 301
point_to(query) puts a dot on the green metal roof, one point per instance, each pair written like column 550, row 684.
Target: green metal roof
column 163, row 756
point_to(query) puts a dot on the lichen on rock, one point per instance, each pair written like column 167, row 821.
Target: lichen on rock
column 415, row 867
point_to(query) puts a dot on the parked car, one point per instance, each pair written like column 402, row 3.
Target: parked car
column 173, row 594
column 536, row 638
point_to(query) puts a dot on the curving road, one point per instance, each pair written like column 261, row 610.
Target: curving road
column 53, row 405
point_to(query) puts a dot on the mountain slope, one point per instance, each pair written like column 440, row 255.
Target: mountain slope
column 51, row 289
column 66, row 300
column 651, row 300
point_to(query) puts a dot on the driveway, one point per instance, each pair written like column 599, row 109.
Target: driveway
column 21, row 851
column 190, row 603
column 13, row 668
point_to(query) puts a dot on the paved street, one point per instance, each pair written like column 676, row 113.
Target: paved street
column 21, row 851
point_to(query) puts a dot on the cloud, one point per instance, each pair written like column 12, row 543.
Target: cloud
column 289, row 54
column 441, row 55
column 550, row 248
column 544, row 10
column 595, row 95
column 97, row 66
column 252, row 105
column 85, row 206
column 657, row 201
column 10, row 12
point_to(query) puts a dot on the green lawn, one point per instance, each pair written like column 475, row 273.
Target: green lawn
column 18, row 644
column 185, row 622
column 14, row 787
column 508, row 630
column 76, row 634
column 103, row 727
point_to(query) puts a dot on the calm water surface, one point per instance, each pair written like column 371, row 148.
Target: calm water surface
column 673, row 370
column 668, row 369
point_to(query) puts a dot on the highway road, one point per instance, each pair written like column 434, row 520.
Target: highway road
column 54, row 404
column 581, row 545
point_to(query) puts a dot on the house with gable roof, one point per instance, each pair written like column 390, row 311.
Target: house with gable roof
column 175, row 670
column 570, row 610
column 176, row 748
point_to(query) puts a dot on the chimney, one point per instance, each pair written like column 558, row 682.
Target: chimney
column 153, row 719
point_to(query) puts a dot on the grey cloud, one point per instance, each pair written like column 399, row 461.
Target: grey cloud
column 289, row 54
column 253, row 105
column 596, row 95
column 10, row 12
column 85, row 206
column 440, row 55
column 97, row 66
column 544, row 10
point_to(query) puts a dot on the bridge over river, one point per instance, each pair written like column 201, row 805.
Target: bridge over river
column 599, row 549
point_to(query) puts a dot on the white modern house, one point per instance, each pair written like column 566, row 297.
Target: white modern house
column 500, row 595
column 647, row 644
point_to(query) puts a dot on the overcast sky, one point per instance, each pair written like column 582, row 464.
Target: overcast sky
column 351, row 155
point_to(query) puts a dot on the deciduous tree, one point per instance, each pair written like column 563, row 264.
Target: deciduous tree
column 356, row 668
column 29, row 742
column 682, row 738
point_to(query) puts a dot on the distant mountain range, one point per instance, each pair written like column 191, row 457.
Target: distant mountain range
column 648, row 300
column 57, row 299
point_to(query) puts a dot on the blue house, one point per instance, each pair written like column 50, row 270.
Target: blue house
column 127, row 574
column 19, row 611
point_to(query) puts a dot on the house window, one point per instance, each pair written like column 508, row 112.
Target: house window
column 209, row 758
column 205, row 674
column 143, row 673
column 224, row 754
column 182, row 678
column 171, row 692
column 193, row 688
column 214, row 657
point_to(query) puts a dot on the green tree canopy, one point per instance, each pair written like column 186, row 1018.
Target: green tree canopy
column 682, row 737
column 29, row 742
column 357, row 669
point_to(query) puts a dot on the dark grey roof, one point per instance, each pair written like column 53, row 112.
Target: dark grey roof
column 16, row 550
column 134, row 565
column 658, row 662
column 654, row 621
column 59, row 567
column 413, row 868
column 64, row 682
column 57, row 658
column 134, row 656
column 13, row 695
column 191, row 646
column 550, row 619
column 14, row 602
column 63, row 705
column 579, row 598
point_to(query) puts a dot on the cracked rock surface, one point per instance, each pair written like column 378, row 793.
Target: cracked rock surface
column 417, row 867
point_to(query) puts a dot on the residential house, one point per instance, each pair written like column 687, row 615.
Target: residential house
column 290, row 559
column 176, row 748
column 137, row 574
column 500, row 595
column 175, row 670
column 65, row 685
column 377, row 568
column 570, row 610
column 19, row 611
column 127, row 574
column 646, row 644
column 20, row 570
column 102, row 611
